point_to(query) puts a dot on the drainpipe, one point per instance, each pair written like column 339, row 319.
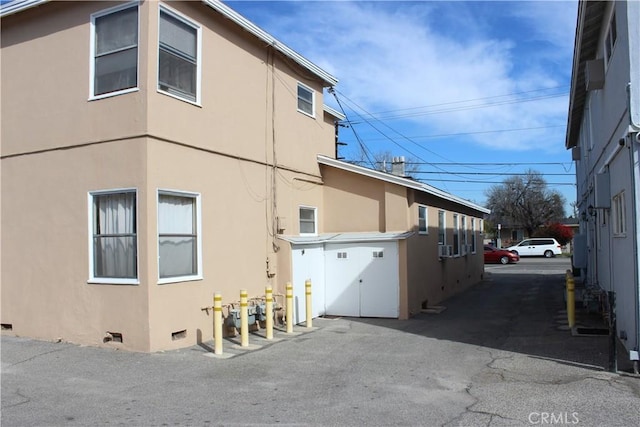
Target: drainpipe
column 635, row 127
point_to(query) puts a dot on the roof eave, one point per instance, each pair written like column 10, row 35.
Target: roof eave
column 19, row 6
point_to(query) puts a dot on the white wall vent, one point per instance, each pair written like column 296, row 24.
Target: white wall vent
column 594, row 74
column 443, row 252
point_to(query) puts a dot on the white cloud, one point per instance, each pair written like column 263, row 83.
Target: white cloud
column 396, row 55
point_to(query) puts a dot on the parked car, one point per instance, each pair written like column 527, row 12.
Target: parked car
column 545, row 246
column 493, row 255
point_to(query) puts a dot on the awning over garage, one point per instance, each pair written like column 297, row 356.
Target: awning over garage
column 347, row 237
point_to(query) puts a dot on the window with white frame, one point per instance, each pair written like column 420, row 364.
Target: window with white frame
column 456, row 235
column 308, row 220
column 306, row 99
column 178, row 56
column 114, row 50
column 422, row 220
column 612, row 35
column 179, row 242
column 113, row 229
column 442, row 236
column 463, row 225
column 473, row 235
column 618, row 214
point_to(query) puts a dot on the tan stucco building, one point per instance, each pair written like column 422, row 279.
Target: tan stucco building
column 154, row 153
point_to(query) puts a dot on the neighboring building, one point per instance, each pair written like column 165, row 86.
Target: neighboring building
column 602, row 131
column 154, row 153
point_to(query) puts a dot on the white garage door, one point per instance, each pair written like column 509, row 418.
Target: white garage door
column 361, row 279
column 308, row 264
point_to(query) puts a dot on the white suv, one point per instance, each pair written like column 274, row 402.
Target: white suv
column 538, row 246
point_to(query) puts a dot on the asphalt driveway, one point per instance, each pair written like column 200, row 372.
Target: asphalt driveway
column 497, row 355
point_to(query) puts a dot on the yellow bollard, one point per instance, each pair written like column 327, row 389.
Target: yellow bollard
column 571, row 299
column 307, row 292
column 269, row 310
column 244, row 319
column 289, row 308
column 217, row 323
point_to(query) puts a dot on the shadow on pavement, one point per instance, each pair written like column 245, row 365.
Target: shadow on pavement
column 523, row 313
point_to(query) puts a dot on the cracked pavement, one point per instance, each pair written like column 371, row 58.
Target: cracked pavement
column 495, row 357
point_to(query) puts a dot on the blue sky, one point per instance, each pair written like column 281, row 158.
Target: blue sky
column 481, row 84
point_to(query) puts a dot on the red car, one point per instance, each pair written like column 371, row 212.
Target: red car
column 493, row 255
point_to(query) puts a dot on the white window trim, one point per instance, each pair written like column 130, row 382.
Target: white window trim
column 313, row 100
column 199, row 275
column 92, row 52
column 444, row 226
column 619, row 226
column 110, row 280
column 474, row 238
column 198, row 28
column 426, row 220
column 315, row 220
column 456, row 232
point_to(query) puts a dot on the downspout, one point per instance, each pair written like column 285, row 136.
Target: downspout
column 634, row 127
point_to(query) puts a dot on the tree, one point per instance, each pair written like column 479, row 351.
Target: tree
column 560, row 232
column 525, row 201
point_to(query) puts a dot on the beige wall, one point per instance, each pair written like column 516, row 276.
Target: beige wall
column 223, row 150
column 358, row 203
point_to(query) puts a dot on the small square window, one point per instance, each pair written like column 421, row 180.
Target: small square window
column 306, row 98
column 308, row 223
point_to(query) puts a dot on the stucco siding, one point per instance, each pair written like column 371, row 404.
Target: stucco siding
column 45, row 240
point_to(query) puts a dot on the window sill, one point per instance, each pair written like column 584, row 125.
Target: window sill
column 179, row 279
column 107, row 281
column 423, row 233
column 111, row 94
column 179, row 98
column 307, row 114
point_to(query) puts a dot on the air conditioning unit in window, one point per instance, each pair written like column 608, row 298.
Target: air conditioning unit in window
column 443, row 251
column 449, row 250
column 469, row 249
column 463, row 250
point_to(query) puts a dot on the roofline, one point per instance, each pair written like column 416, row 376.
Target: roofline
column 574, row 71
column 19, row 6
column 250, row 27
column 404, row 182
column 335, row 113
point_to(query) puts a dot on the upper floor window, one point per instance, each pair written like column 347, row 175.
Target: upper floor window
column 308, row 220
column 456, row 235
column 306, row 100
column 114, row 50
column 113, row 229
column 442, row 237
column 178, row 56
column 422, row 220
column 612, row 35
column 179, row 242
column 473, row 235
column 618, row 214
column 463, row 225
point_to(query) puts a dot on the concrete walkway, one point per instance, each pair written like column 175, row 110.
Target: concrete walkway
column 496, row 356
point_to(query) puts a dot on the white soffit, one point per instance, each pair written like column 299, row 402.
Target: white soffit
column 347, row 237
column 249, row 26
column 335, row 113
column 408, row 183
column 18, row 6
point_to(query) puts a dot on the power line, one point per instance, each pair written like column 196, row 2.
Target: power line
column 493, row 173
column 426, row 181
